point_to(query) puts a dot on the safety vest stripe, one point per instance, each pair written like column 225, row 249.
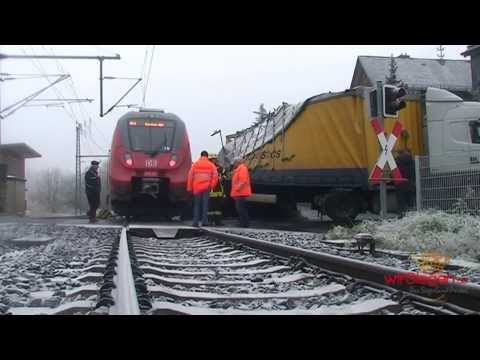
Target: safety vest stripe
column 202, row 176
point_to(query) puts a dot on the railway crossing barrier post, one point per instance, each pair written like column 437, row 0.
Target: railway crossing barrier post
column 383, row 185
column 386, row 101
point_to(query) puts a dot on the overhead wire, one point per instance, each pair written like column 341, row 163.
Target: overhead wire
column 70, row 83
column 123, row 60
column 85, row 142
column 142, row 74
column 72, row 113
column 8, row 76
column 148, row 76
column 105, row 50
column 55, row 89
column 42, row 71
column 84, row 112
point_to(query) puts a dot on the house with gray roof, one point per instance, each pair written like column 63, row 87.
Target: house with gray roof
column 474, row 52
column 417, row 74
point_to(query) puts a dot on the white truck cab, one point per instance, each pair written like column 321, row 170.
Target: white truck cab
column 453, row 131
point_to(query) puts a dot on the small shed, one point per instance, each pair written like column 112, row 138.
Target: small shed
column 12, row 177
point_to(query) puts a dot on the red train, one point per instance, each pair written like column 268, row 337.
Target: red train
column 149, row 163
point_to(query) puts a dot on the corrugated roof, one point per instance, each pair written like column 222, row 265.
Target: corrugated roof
column 21, row 150
column 421, row 73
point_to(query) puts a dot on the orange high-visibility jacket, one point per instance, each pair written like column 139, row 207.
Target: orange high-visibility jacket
column 241, row 182
column 202, row 176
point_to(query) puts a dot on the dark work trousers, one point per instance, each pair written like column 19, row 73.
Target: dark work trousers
column 216, row 209
column 200, row 207
column 242, row 211
column 94, row 202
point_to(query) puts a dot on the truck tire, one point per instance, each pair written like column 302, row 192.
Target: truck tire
column 342, row 207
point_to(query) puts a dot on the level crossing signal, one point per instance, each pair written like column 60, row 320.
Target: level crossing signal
column 393, row 101
column 386, row 156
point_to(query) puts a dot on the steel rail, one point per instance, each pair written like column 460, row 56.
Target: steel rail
column 464, row 295
column 125, row 294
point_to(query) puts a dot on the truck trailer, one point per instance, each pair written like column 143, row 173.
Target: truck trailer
column 323, row 149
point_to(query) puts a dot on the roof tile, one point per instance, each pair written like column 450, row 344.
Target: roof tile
column 421, row 73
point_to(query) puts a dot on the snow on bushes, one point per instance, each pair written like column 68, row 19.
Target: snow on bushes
column 457, row 235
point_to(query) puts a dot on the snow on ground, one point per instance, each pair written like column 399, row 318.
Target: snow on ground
column 359, row 307
column 41, row 275
column 416, row 232
column 456, row 235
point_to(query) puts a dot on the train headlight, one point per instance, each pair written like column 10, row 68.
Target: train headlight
column 128, row 159
column 173, row 161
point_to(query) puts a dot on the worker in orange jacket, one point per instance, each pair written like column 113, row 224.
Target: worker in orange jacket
column 241, row 189
column 202, row 177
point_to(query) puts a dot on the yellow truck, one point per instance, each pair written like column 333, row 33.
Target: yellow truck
column 322, row 150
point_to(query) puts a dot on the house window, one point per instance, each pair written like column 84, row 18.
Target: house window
column 475, row 131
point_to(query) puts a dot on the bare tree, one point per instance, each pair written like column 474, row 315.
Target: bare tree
column 51, row 190
column 391, row 79
column 51, row 182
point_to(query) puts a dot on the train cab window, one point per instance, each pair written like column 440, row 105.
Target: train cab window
column 151, row 137
column 475, row 131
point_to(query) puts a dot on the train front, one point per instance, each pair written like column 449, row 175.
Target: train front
column 149, row 164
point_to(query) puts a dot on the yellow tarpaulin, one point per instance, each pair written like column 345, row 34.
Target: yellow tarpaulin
column 336, row 134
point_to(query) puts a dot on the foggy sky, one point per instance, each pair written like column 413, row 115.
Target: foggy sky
column 209, row 87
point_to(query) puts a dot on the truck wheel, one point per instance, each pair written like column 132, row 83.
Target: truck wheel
column 342, row 207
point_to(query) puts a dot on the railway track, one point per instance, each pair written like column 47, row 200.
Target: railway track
column 349, row 248
column 139, row 269
column 189, row 271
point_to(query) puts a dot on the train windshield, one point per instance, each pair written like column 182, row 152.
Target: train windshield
column 151, row 136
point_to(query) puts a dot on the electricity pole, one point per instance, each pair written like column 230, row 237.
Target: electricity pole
column 100, row 59
column 78, row 169
column 78, row 128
